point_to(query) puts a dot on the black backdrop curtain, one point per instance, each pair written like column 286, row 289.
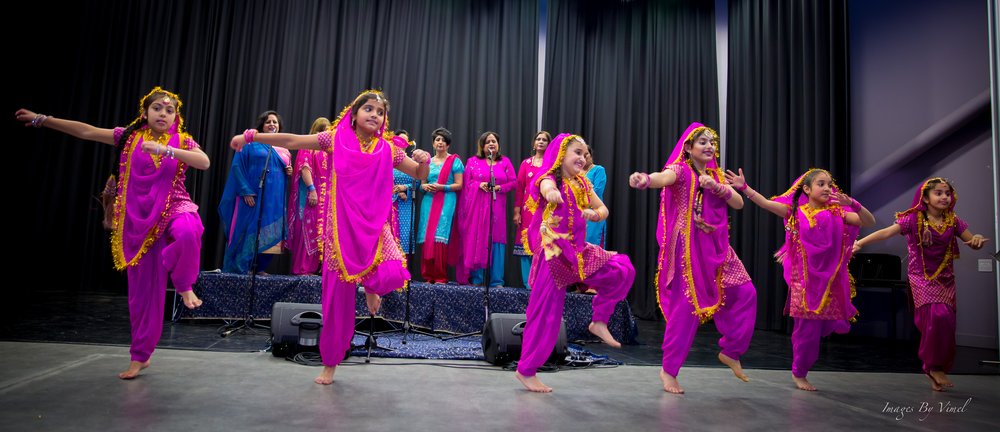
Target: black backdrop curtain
column 787, row 112
column 629, row 77
column 469, row 66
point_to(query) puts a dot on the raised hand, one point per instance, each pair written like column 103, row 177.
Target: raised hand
column 737, row 181
column 842, row 199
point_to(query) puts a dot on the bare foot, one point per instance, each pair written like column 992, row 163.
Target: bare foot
column 190, row 299
column 942, row 379
column 935, row 384
column 735, row 366
column 600, row 330
column 326, row 377
column 803, row 384
column 133, row 370
column 670, row 384
column 374, row 303
column 532, row 383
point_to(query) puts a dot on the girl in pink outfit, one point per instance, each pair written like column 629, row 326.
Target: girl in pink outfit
column 529, row 168
column 359, row 246
column 821, row 224
column 698, row 276
column 305, row 206
column 932, row 228
column 156, row 227
column 562, row 256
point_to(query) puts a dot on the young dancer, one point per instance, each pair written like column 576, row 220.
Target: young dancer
column 156, row 227
column 359, row 245
column 562, row 257
column 931, row 229
column 698, row 275
column 821, row 224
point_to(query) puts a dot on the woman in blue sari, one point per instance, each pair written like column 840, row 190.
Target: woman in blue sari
column 242, row 204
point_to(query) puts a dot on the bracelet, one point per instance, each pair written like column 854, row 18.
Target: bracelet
column 745, row 186
column 725, row 194
column 645, row 184
column 311, row 188
column 158, row 150
column 38, row 120
column 855, row 205
column 750, row 195
column 249, row 134
column 170, row 153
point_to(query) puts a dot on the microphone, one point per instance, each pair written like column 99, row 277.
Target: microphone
column 492, row 183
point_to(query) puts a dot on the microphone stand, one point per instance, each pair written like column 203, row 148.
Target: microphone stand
column 489, row 253
column 407, row 324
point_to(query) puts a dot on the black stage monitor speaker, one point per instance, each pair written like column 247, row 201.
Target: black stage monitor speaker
column 295, row 328
column 502, row 339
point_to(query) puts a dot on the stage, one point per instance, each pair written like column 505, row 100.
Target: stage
column 56, row 387
column 199, row 381
column 455, row 309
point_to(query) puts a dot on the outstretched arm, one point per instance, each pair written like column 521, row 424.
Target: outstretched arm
column 739, row 183
column 877, row 236
column 77, row 129
column 286, row 140
column 657, row 180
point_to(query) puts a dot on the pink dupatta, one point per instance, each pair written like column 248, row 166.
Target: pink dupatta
column 698, row 256
column 359, row 204
column 818, row 247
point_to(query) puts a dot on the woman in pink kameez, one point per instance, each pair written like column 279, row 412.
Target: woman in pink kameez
column 529, row 168
column 305, row 206
column 484, row 197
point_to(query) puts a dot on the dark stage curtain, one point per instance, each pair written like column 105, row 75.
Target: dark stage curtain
column 787, row 112
column 469, row 66
column 629, row 77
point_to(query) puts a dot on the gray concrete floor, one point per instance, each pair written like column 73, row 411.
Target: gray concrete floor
column 53, row 387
